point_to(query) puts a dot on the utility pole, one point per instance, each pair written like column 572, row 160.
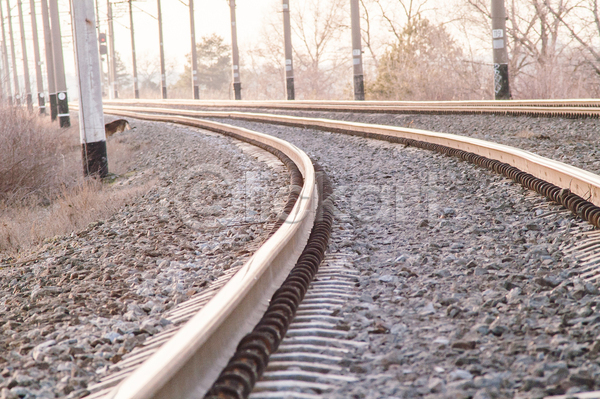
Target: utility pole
column 12, row 54
column 163, row 73
column 59, row 67
column 136, row 89
column 3, row 94
column 359, row 84
column 237, row 85
column 91, row 117
column 25, row 62
column 38, row 63
column 113, row 61
column 289, row 58
column 195, row 86
column 102, row 76
column 6, row 74
column 49, row 61
column 501, row 86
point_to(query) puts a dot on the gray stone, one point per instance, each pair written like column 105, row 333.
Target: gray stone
column 435, row 385
column 591, row 288
column 39, row 350
column 459, row 374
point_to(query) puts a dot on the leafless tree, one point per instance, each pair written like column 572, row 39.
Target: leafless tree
column 582, row 21
column 322, row 55
column 264, row 70
column 367, row 21
column 320, row 50
column 263, row 62
column 148, row 69
column 540, row 51
column 399, row 13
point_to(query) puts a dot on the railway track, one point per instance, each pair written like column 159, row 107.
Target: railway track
column 537, row 108
column 278, row 375
column 424, row 291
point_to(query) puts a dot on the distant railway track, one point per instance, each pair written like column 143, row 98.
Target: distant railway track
column 543, row 108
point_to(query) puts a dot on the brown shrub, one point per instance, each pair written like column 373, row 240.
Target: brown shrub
column 36, row 158
column 42, row 189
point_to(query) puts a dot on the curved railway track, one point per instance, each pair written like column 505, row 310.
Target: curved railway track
column 210, row 336
column 558, row 182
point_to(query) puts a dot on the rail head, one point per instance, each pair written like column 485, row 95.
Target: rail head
column 578, row 181
column 574, row 108
column 187, row 365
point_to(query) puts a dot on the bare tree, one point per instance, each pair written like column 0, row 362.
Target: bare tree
column 539, row 50
column 367, row 21
column 149, row 75
column 583, row 26
column 322, row 52
column 264, row 61
column 399, row 13
column 319, row 27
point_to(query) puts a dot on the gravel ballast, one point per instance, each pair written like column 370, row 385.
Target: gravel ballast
column 464, row 288
column 573, row 141
column 86, row 300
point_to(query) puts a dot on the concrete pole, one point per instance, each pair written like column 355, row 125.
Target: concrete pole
column 38, row 63
column 29, row 99
column 12, row 54
column 113, row 61
column 6, row 70
column 3, row 94
column 49, row 61
column 196, row 88
column 163, row 73
column 91, row 117
column 237, row 85
column 136, row 89
column 289, row 58
column 109, row 56
column 102, row 76
column 501, row 86
column 359, row 84
column 59, row 67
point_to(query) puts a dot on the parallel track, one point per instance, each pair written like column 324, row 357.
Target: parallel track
column 500, row 158
column 539, row 108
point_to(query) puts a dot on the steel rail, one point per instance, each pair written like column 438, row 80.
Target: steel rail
column 533, row 171
column 579, row 182
column 187, row 365
column 545, row 108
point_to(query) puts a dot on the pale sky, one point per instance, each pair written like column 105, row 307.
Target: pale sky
column 211, row 16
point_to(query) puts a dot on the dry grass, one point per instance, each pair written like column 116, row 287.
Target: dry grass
column 26, row 226
column 36, row 158
column 42, row 190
